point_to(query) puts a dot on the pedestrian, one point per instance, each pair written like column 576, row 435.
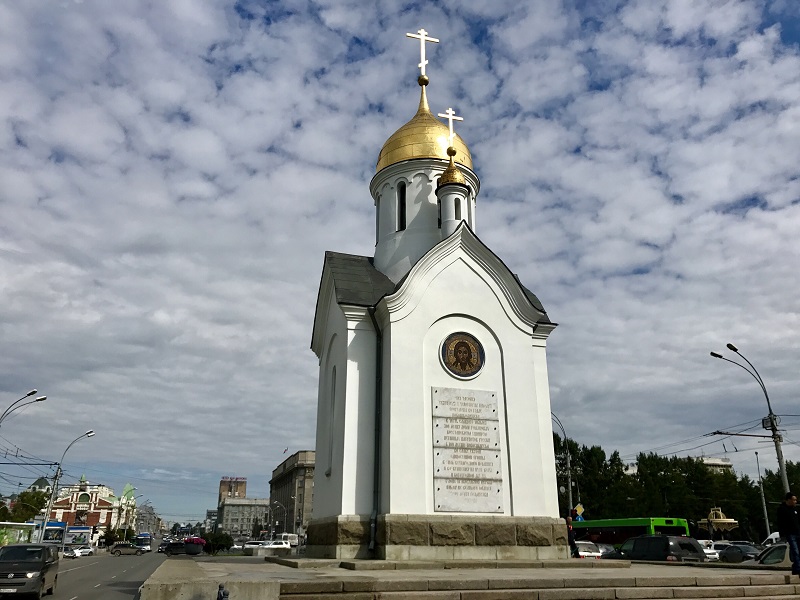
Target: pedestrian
column 573, row 547
column 789, row 528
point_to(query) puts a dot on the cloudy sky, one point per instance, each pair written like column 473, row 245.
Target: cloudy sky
column 171, row 174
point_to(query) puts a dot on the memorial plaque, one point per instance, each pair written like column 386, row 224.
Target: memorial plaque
column 467, row 451
column 452, row 432
column 471, row 404
column 466, row 463
column 468, row 495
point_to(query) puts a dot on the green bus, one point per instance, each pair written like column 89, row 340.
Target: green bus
column 616, row 531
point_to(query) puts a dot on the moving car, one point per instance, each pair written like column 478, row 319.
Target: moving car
column 126, row 548
column 736, row 553
column 175, row 547
column 255, row 544
column 28, row 569
column 604, row 548
column 660, row 547
column 163, row 546
column 588, row 550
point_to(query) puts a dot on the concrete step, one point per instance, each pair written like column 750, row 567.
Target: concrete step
column 777, row 586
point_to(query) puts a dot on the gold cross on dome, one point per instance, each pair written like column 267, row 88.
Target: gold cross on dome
column 422, row 36
column 450, row 115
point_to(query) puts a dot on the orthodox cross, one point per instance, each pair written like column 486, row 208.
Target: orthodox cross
column 450, row 115
column 422, row 36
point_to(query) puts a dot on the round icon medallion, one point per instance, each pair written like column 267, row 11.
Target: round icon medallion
column 462, row 355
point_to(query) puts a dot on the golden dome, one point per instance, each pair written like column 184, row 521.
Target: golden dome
column 424, row 136
column 452, row 174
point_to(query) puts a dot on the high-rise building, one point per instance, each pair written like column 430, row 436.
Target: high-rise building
column 232, row 487
column 291, row 489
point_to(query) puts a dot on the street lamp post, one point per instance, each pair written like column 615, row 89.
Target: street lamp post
column 763, row 500
column 54, row 491
column 268, row 518
column 569, row 469
column 771, row 417
column 284, row 514
column 16, row 404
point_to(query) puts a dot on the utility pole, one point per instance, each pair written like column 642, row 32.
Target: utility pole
column 771, row 420
column 763, row 500
column 569, row 469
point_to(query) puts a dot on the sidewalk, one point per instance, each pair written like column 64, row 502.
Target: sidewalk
column 245, row 578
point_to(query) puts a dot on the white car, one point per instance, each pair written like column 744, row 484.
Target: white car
column 278, row 544
column 712, row 554
column 83, row 551
column 255, row 544
column 236, row 546
column 588, row 550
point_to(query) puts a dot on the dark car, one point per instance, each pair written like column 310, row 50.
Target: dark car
column 658, row 548
column 28, row 569
column 126, row 548
column 163, row 546
column 175, row 547
column 736, row 553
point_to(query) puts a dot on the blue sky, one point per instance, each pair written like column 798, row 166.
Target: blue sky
column 171, row 174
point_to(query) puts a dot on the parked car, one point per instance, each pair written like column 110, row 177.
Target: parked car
column 736, row 553
column 121, row 548
column 255, row 544
column 28, row 569
column 659, row 547
column 588, row 550
column 708, row 548
column 772, row 538
column 773, row 554
column 278, row 544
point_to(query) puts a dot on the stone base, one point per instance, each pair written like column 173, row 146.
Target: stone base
column 438, row 537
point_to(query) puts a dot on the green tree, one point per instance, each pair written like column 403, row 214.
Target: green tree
column 27, row 505
column 215, row 542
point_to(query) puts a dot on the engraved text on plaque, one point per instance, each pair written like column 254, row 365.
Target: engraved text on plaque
column 467, row 465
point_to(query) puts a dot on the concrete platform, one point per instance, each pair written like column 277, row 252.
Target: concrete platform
column 253, row 578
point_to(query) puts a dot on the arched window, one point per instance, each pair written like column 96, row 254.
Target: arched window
column 83, row 498
column 401, row 206
column 439, row 213
column 458, row 209
column 331, row 418
column 377, row 220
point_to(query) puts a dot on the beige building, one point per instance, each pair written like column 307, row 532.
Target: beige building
column 238, row 516
column 232, row 487
column 291, row 490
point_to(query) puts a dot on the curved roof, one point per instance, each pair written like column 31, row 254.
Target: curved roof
column 424, row 136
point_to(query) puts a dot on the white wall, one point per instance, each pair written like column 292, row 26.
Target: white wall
column 454, row 294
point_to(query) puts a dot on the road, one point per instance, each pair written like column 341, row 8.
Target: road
column 105, row 577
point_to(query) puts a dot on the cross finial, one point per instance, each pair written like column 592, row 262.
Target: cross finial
column 422, row 36
column 450, row 115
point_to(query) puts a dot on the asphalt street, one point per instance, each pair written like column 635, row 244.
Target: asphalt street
column 105, row 577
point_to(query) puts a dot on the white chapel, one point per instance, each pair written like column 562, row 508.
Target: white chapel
column 434, row 438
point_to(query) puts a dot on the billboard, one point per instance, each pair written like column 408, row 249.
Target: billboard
column 78, row 535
